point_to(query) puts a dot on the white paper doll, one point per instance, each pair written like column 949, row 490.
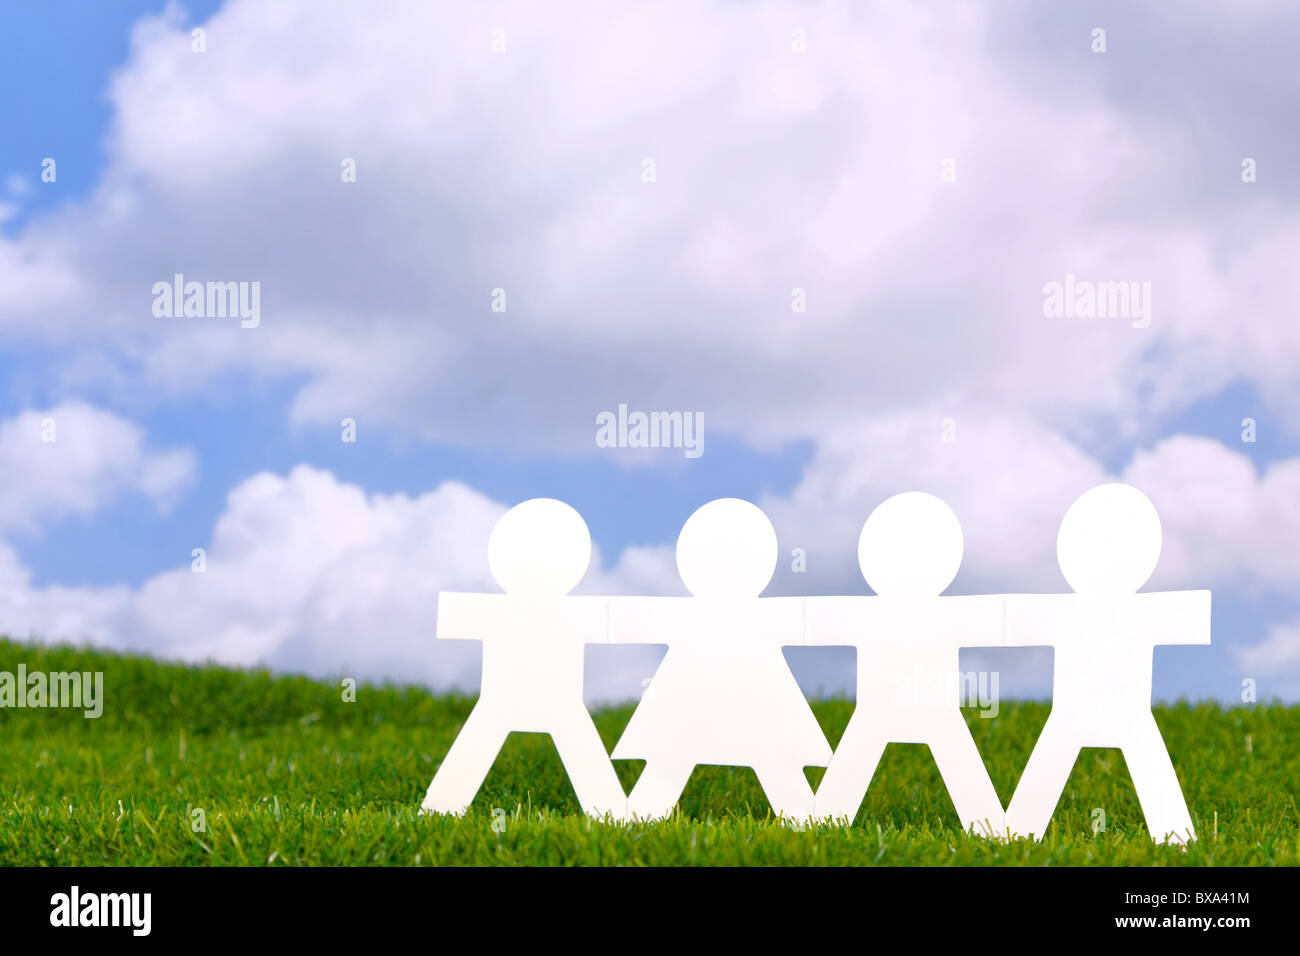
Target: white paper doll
column 1104, row 636
column 908, row 640
column 534, row 640
column 723, row 693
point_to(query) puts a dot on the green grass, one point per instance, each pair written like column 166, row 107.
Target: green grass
column 286, row 772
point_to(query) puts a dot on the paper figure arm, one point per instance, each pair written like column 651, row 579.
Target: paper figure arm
column 470, row 617
column 976, row 620
column 837, row 620
column 484, row 617
column 782, row 620
column 647, row 620
column 1176, row 617
column 1039, row 619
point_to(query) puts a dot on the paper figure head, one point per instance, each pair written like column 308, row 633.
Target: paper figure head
column 910, row 546
column 540, row 546
column 1109, row 540
column 727, row 548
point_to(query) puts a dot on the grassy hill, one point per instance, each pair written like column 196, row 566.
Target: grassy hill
column 287, row 773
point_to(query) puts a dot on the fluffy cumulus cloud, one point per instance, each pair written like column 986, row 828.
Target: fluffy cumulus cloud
column 1225, row 522
column 57, row 612
column 1277, row 656
column 524, row 170
column 73, row 459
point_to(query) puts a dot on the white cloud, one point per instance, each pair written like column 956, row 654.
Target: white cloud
column 73, row 459
column 522, row 170
column 1274, row 662
column 1224, row 522
column 308, row 573
column 58, row 612
column 1280, row 650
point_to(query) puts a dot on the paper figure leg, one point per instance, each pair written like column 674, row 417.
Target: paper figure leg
column 658, row 788
column 967, row 780
column 1156, row 784
column 788, row 791
column 589, row 768
column 1040, row 786
column 849, row 774
column 467, row 763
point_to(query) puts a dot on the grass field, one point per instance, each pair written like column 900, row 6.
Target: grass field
column 286, row 773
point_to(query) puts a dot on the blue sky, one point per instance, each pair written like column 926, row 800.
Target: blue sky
column 525, row 170
column 57, row 58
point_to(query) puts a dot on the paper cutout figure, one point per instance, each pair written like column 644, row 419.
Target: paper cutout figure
column 1104, row 636
column 723, row 693
column 534, row 640
column 908, row 640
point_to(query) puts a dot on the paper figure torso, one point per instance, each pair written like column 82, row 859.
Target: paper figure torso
column 908, row 650
column 529, row 643
column 724, row 693
column 1103, row 647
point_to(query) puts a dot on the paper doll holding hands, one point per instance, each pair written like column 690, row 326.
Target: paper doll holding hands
column 534, row 640
column 908, row 640
column 723, row 693
column 1104, row 636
